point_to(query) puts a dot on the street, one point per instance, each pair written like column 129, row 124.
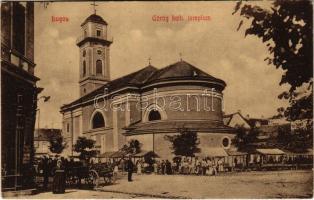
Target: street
column 281, row 184
column 82, row 194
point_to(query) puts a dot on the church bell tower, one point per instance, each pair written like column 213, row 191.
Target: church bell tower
column 94, row 54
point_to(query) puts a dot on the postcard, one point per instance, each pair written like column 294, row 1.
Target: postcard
column 156, row 99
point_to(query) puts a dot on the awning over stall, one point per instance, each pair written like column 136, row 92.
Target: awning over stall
column 308, row 152
column 270, row 151
column 212, row 152
column 145, row 153
column 235, row 153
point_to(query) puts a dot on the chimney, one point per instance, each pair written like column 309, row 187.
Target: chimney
column 247, row 116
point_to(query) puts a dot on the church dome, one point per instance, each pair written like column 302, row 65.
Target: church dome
column 183, row 71
column 96, row 19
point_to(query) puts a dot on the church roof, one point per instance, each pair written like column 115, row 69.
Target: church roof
column 150, row 75
column 134, row 79
column 96, row 19
column 175, row 125
column 180, row 70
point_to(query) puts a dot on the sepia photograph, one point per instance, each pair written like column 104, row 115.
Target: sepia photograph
column 157, row 99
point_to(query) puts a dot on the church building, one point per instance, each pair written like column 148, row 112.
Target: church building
column 145, row 105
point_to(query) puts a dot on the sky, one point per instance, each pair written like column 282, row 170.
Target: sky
column 214, row 46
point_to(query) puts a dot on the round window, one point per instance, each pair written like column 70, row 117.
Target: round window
column 225, row 142
column 99, row 52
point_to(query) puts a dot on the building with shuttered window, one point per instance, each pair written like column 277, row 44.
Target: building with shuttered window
column 18, row 94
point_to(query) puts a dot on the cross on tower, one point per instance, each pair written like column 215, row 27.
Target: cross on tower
column 149, row 60
column 180, row 54
column 94, row 4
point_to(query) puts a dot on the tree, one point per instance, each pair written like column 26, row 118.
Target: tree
column 284, row 136
column 56, row 144
column 185, row 143
column 245, row 139
column 297, row 141
column 85, row 147
column 286, row 28
column 133, row 146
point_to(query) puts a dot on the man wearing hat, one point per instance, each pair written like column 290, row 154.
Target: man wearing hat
column 130, row 167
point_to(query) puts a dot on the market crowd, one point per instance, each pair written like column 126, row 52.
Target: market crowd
column 185, row 165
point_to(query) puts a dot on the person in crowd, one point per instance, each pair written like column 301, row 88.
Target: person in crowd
column 199, row 167
column 163, row 164
column 215, row 167
column 3, row 170
column 46, row 171
column 165, row 167
column 145, row 166
column 130, row 167
column 58, row 184
column 203, row 166
column 139, row 166
column 191, row 167
column 155, row 167
column 185, row 166
column 235, row 162
column 210, row 167
column 115, row 169
column 196, row 163
column 182, row 166
column 179, row 166
column 71, row 163
column 66, row 166
column 168, row 167
column 220, row 165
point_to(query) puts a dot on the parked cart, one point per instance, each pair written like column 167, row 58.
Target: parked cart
column 89, row 174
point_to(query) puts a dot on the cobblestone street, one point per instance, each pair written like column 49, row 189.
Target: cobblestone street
column 82, row 194
column 282, row 184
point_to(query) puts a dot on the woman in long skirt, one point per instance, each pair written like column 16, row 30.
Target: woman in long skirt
column 139, row 167
column 210, row 167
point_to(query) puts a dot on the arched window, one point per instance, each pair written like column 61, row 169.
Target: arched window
column 84, row 68
column 154, row 115
column 98, row 121
column 98, row 67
